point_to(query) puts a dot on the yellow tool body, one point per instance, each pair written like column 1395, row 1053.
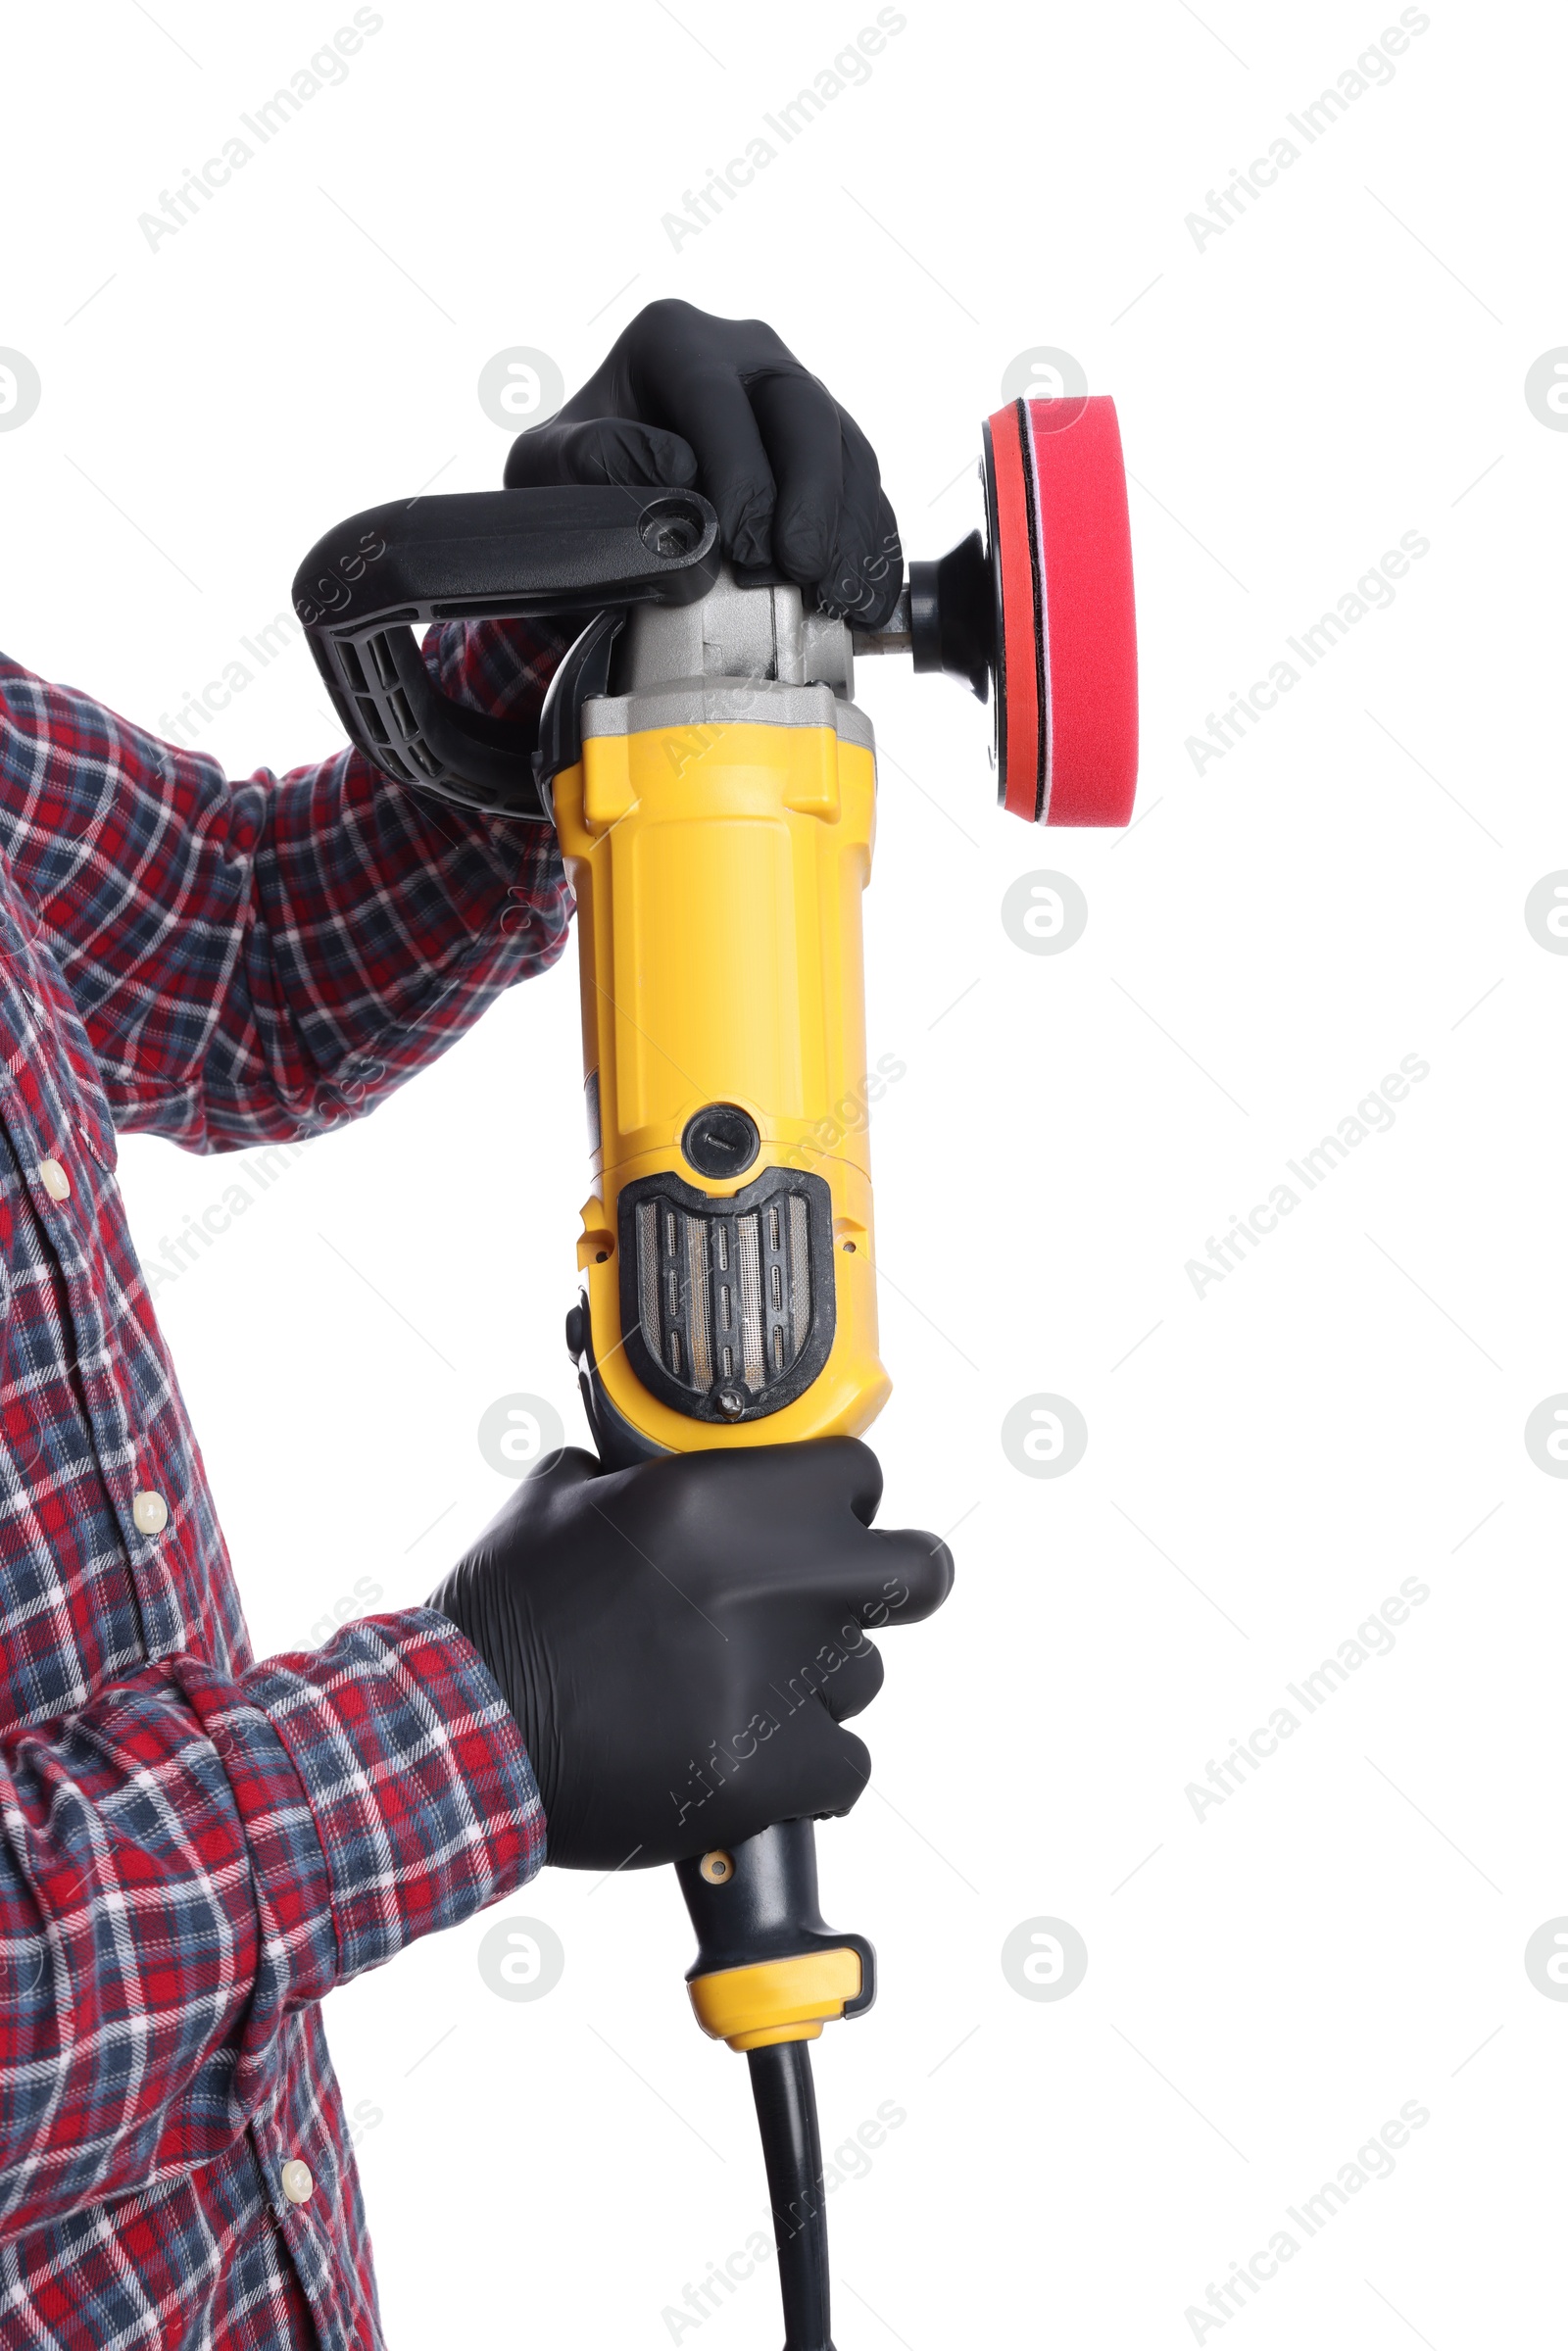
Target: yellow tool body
column 718, row 867
column 717, row 831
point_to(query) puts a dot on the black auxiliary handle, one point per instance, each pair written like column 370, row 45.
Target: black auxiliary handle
column 485, row 555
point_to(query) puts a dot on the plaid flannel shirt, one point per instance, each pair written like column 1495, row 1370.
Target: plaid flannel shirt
column 194, row 1846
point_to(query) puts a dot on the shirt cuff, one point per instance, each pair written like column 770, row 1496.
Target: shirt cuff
column 419, row 1788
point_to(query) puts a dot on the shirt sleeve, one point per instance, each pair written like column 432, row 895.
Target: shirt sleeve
column 192, row 1858
column 255, row 961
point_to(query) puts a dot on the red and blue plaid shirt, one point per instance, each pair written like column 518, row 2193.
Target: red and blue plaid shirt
column 196, row 1847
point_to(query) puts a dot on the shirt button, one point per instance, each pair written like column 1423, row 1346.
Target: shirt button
column 297, row 2182
column 151, row 1514
column 54, row 1179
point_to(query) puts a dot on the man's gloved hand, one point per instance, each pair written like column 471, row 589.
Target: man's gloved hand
column 681, row 1642
column 686, row 402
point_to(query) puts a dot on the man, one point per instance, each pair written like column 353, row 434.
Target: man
column 195, row 1848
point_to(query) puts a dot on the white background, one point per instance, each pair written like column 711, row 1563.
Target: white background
column 1344, row 363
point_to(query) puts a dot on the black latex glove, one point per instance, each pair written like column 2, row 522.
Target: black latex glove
column 687, row 402
column 681, row 1642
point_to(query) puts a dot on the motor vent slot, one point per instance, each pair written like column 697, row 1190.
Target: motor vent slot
column 727, row 1305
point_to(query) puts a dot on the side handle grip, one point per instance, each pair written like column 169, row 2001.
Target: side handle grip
column 481, row 554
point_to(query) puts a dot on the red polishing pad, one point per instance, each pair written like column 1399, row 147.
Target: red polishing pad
column 1067, row 643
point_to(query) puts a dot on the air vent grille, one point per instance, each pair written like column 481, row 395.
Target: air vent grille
column 731, row 1300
